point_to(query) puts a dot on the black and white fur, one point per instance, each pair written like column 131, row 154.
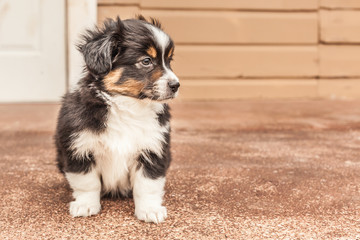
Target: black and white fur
column 113, row 132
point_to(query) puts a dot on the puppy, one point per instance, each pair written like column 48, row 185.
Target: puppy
column 113, row 130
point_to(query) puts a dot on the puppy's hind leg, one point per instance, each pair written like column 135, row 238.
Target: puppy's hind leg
column 86, row 187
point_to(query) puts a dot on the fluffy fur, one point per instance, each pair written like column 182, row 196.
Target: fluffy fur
column 113, row 132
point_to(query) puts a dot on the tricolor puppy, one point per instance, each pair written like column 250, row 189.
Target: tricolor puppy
column 113, row 132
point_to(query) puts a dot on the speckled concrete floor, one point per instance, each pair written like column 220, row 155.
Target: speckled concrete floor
column 241, row 170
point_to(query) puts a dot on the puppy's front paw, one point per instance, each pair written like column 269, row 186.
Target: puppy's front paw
column 84, row 209
column 151, row 214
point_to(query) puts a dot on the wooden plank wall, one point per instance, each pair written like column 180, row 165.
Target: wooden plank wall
column 236, row 49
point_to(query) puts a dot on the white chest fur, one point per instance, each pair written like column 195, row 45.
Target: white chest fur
column 131, row 127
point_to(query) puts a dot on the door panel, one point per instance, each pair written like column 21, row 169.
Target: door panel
column 32, row 50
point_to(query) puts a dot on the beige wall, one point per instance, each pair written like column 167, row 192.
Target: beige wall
column 234, row 49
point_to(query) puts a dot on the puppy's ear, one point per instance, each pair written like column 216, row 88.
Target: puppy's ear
column 101, row 45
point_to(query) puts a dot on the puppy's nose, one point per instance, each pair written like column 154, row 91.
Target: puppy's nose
column 174, row 85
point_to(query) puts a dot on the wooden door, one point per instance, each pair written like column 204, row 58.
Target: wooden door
column 32, row 50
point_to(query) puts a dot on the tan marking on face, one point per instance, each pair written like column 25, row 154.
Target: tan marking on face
column 111, row 79
column 152, row 52
column 156, row 75
column 129, row 87
column 170, row 52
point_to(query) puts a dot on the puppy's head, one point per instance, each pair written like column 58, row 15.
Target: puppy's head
column 131, row 58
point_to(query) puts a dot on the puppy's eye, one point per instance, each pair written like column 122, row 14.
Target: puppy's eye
column 146, row 61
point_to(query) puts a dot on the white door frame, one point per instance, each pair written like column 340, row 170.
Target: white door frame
column 81, row 14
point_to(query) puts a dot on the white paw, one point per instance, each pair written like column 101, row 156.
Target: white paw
column 84, row 209
column 151, row 214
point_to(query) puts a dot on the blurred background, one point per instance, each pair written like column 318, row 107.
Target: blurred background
column 225, row 49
